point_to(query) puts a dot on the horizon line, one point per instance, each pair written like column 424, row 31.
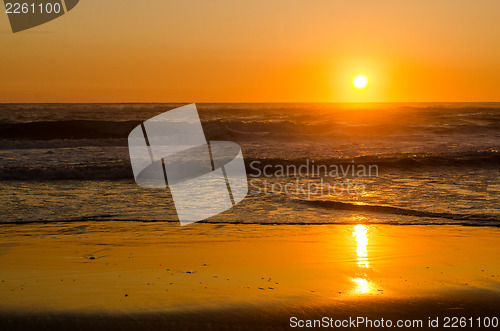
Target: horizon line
column 243, row 102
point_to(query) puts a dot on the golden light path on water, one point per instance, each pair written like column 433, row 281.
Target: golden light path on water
column 360, row 234
column 363, row 285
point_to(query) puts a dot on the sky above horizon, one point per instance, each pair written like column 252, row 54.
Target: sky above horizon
column 256, row 51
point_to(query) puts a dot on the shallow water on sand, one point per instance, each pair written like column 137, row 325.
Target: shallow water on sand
column 133, row 267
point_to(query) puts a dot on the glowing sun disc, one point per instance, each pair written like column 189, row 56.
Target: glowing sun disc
column 360, row 81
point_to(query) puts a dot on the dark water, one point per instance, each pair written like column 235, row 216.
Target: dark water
column 436, row 163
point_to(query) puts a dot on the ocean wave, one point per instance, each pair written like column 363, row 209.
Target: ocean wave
column 400, row 222
column 121, row 169
column 73, row 172
column 71, row 129
column 242, row 130
column 54, row 144
column 337, row 205
column 479, row 159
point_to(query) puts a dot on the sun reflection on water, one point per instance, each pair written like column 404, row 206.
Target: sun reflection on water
column 363, row 285
column 360, row 234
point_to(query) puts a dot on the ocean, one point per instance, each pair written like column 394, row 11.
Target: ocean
column 310, row 163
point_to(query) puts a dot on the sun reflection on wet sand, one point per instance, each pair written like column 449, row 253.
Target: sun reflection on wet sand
column 363, row 285
column 360, row 234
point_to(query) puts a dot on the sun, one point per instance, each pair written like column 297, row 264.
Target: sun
column 360, row 82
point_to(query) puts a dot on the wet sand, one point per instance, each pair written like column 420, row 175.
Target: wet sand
column 129, row 275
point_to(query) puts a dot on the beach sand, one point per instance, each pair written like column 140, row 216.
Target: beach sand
column 129, row 275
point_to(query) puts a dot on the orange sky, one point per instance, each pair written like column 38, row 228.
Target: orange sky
column 256, row 51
